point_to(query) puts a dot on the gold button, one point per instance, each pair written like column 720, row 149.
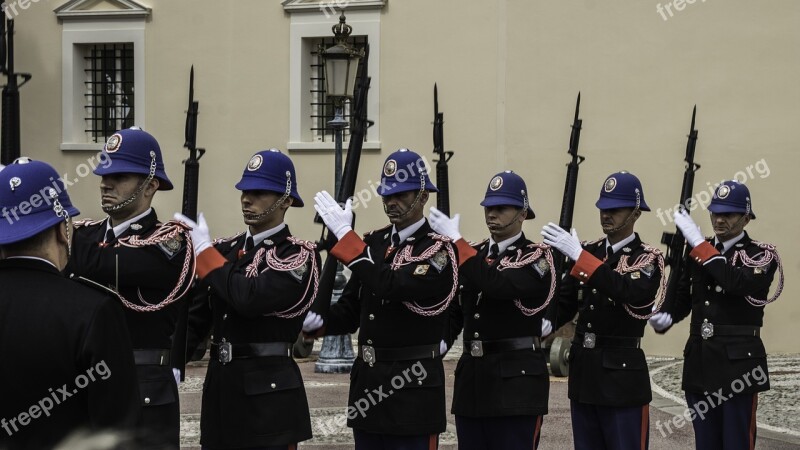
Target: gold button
column 419, row 382
column 718, row 288
column 224, row 316
column 372, row 317
column 591, row 307
column 588, row 325
column 477, row 316
column 705, row 320
column 594, row 291
column 523, row 372
column 147, row 400
column 369, row 341
column 477, row 335
column 624, row 365
column 707, row 303
column 273, row 385
column 749, row 354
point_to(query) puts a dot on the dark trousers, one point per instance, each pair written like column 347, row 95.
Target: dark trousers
column 729, row 425
column 507, row 433
column 374, row 441
column 607, row 427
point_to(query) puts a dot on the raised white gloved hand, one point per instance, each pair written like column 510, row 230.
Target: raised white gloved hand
column 547, row 327
column 660, row 321
column 338, row 220
column 201, row 238
column 566, row 243
column 312, row 322
column 688, row 228
column 445, row 225
column 442, row 347
column 177, row 374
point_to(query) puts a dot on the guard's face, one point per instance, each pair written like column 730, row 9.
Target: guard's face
column 398, row 208
column 499, row 219
column 613, row 219
column 728, row 225
column 118, row 187
column 256, row 202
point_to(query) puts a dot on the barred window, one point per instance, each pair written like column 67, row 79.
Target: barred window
column 109, row 89
column 322, row 109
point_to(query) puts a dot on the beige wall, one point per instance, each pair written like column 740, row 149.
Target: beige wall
column 508, row 73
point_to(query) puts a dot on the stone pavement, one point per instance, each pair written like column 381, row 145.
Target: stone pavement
column 778, row 413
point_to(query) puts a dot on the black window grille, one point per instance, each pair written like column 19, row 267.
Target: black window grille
column 322, row 109
column 109, row 89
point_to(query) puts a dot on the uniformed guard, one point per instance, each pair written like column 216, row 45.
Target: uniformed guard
column 67, row 357
column 501, row 384
column 725, row 288
column 404, row 277
column 256, row 288
column 614, row 284
column 146, row 262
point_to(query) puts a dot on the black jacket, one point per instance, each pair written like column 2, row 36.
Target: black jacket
column 260, row 401
column 715, row 292
column 498, row 301
column 65, row 348
column 604, row 300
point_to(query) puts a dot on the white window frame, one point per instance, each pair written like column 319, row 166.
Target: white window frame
column 308, row 21
column 81, row 28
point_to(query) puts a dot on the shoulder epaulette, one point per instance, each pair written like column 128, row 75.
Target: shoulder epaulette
column 379, row 230
column 94, row 285
column 477, row 244
column 588, row 243
column 650, row 249
column 223, row 240
column 86, row 223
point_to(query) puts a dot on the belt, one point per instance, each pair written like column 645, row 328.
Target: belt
column 480, row 348
column 151, row 357
column 591, row 340
column 225, row 351
column 708, row 329
column 371, row 354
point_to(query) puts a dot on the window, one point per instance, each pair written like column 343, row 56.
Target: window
column 102, row 53
column 109, row 90
column 311, row 23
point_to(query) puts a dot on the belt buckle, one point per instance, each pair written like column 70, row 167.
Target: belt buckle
column 589, row 340
column 368, row 353
column 476, row 348
column 706, row 330
column 225, row 352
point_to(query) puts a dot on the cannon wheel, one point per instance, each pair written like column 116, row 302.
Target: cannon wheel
column 559, row 357
column 302, row 349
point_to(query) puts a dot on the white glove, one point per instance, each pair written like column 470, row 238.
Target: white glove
column 547, row 327
column 312, row 322
column 566, row 243
column 442, row 347
column 688, row 228
column 660, row 321
column 338, row 220
column 177, row 374
column 445, row 225
column 201, row 238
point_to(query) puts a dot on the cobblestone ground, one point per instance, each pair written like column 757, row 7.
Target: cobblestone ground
column 778, row 414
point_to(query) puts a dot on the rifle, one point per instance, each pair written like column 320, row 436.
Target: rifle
column 191, row 178
column 347, row 187
column 443, row 197
column 677, row 255
column 10, row 141
column 567, row 204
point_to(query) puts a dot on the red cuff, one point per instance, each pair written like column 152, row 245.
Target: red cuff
column 703, row 252
column 465, row 251
column 208, row 260
column 585, row 266
column 349, row 247
column 319, row 332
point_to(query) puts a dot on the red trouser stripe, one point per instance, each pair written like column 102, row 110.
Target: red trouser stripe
column 536, row 432
column 753, row 422
column 645, row 425
column 433, row 442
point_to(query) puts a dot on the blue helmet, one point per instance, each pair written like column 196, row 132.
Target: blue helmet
column 731, row 197
column 134, row 150
column 270, row 170
column 32, row 199
column 508, row 189
column 622, row 190
column 404, row 171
